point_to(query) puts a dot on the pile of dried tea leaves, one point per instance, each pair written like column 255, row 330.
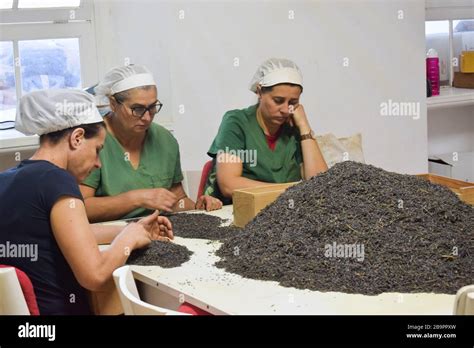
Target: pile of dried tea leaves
column 163, row 254
column 359, row 229
column 201, row 226
column 185, row 225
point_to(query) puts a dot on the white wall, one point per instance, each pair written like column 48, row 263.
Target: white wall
column 193, row 62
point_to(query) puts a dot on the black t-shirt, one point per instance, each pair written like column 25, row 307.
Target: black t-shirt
column 27, row 195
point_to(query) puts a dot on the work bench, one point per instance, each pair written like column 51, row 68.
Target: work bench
column 202, row 284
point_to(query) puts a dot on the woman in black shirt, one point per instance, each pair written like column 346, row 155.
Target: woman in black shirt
column 44, row 229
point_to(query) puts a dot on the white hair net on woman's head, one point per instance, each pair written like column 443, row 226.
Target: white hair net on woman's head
column 274, row 71
column 121, row 79
column 50, row 110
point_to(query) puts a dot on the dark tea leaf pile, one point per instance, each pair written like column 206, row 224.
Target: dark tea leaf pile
column 359, row 229
column 167, row 255
column 201, row 226
column 163, row 254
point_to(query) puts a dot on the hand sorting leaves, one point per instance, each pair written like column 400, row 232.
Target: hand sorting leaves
column 158, row 227
column 208, row 203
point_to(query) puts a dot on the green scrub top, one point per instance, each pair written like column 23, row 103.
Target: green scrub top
column 159, row 167
column 240, row 134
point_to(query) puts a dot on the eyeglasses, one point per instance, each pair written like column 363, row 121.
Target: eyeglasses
column 140, row 111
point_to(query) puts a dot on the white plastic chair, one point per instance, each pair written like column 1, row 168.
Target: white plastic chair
column 129, row 297
column 464, row 301
column 12, row 301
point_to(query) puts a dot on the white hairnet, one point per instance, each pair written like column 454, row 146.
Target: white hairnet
column 51, row 110
column 274, row 71
column 121, row 79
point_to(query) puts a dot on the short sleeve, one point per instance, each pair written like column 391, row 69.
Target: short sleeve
column 230, row 135
column 57, row 183
column 93, row 180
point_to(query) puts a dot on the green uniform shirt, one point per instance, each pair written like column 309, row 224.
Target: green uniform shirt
column 159, row 166
column 240, row 134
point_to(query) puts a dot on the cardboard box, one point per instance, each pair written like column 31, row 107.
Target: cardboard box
column 463, row 80
column 464, row 190
column 467, row 62
column 247, row 203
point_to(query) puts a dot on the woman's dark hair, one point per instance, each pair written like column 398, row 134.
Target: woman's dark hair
column 269, row 89
column 90, row 131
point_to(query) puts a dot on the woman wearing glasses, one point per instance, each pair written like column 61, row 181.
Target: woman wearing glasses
column 141, row 169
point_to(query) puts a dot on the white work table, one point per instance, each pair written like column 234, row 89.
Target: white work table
column 213, row 289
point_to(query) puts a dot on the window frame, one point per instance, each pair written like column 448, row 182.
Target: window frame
column 52, row 23
column 17, row 15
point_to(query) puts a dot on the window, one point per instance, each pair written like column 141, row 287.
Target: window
column 463, row 37
column 4, row 4
column 39, row 4
column 42, row 46
column 449, row 30
column 47, row 3
column 449, row 38
column 51, row 63
column 7, row 82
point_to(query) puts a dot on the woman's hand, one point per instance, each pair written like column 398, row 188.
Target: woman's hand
column 156, row 199
column 299, row 119
column 158, row 227
column 136, row 235
column 208, row 203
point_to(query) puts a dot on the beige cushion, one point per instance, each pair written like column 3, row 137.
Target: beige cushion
column 337, row 150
